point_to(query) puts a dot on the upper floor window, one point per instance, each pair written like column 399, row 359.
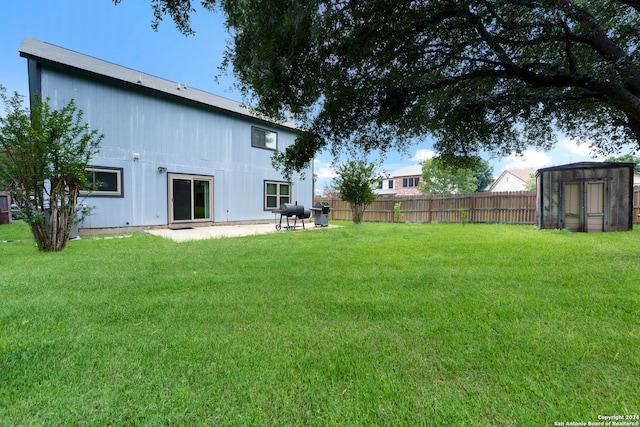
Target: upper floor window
column 263, row 138
column 410, row 182
column 104, row 181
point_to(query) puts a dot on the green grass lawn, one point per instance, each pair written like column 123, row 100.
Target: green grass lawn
column 376, row 324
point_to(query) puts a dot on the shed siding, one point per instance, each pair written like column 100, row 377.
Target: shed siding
column 177, row 135
column 621, row 201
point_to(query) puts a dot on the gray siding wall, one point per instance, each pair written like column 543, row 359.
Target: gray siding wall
column 618, row 194
column 173, row 134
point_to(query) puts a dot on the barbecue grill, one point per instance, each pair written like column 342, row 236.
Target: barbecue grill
column 289, row 210
column 321, row 214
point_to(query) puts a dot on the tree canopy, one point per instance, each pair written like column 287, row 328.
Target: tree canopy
column 626, row 158
column 477, row 75
column 441, row 178
column 484, row 175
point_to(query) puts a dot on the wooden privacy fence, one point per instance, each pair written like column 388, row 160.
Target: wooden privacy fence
column 5, row 208
column 502, row 207
column 509, row 207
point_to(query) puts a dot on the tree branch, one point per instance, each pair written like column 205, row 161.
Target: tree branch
column 632, row 3
column 567, row 44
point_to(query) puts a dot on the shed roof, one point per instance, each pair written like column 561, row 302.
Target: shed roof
column 53, row 55
column 586, row 165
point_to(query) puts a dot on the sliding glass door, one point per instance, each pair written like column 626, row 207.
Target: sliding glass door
column 190, row 198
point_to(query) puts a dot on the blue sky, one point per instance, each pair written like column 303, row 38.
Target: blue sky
column 122, row 34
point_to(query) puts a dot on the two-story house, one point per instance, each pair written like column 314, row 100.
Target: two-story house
column 401, row 182
column 172, row 155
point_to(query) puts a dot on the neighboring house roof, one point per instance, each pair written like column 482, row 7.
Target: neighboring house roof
column 64, row 58
column 412, row 170
column 523, row 174
column 512, row 180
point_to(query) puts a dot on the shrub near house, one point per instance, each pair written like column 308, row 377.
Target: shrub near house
column 44, row 155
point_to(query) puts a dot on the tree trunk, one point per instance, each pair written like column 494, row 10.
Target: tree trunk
column 53, row 231
column 357, row 210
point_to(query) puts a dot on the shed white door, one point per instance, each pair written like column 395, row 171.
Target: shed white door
column 572, row 206
column 584, row 206
column 595, row 206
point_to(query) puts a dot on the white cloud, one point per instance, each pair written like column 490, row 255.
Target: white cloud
column 530, row 159
column 423, row 154
column 323, row 170
column 577, row 149
column 567, row 150
column 324, row 175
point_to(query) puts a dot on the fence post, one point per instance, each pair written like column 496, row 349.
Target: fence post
column 430, row 207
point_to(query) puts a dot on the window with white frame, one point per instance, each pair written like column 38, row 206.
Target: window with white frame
column 104, row 181
column 275, row 194
column 263, row 138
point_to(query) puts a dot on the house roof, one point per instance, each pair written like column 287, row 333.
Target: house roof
column 523, row 175
column 68, row 59
column 412, row 170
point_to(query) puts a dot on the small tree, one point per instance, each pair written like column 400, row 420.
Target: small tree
column 484, row 175
column 532, row 184
column 397, row 211
column 330, row 192
column 355, row 182
column 44, row 154
column 441, row 178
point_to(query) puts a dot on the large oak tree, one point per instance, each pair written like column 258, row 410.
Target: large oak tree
column 475, row 74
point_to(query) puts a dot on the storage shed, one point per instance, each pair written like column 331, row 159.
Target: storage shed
column 586, row 196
